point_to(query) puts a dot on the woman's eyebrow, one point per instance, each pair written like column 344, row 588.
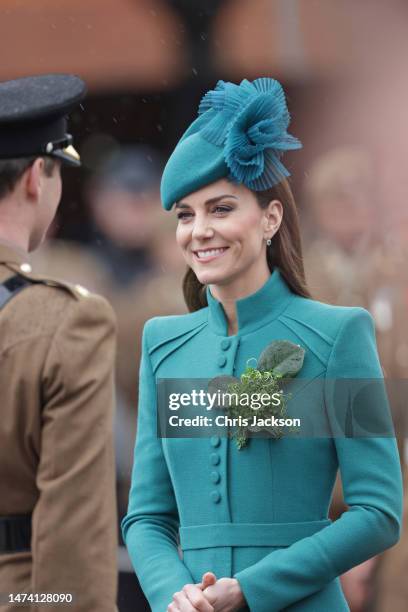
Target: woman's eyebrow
column 221, row 197
column 210, row 201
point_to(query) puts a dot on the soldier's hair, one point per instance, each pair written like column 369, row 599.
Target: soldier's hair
column 11, row 170
column 284, row 253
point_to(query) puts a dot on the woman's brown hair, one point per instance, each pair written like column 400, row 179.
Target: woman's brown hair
column 284, row 253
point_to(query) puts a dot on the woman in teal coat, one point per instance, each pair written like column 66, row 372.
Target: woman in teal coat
column 211, row 527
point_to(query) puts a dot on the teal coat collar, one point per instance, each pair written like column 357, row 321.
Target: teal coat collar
column 255, row 310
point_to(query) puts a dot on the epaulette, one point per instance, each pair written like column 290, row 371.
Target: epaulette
column 25, row 270
column 168, row 334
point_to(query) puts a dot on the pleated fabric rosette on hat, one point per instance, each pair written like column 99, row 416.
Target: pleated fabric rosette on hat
column 240, row 134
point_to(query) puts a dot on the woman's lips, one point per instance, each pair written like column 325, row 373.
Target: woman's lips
column 207, row 255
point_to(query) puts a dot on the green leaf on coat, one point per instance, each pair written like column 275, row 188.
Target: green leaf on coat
column 282, row 358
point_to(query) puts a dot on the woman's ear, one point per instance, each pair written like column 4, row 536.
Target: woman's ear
column 273, row 217
column 34, row 179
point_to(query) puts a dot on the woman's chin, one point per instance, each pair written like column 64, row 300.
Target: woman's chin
column 211, row 278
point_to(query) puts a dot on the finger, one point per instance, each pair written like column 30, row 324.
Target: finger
column 172, row 608
column 207, row 580
column 195, row 596
column 211, row 594
column 180, row 599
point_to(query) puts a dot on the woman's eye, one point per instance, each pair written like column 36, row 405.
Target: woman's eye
column 222, row 209
column 183, row 215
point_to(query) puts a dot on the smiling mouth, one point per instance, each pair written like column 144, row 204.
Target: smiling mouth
column 205, row 255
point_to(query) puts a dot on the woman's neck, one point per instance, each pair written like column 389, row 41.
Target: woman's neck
column 228, row 295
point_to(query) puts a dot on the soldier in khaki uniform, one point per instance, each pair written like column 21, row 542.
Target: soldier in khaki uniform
column 58, row 524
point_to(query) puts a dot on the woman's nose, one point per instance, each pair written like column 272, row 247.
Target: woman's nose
column 202, row 228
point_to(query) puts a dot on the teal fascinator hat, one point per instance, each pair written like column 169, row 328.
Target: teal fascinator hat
column 240, row 134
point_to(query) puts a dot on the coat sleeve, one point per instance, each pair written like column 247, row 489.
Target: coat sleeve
column 150, row 528
column 74, row 539
column 371, row 477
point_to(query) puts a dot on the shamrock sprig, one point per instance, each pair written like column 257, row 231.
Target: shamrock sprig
column 279, row 361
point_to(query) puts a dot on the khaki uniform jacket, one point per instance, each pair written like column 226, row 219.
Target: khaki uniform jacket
column 57, row 348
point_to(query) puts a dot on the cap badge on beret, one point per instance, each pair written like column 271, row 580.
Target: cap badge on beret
column 245, row 128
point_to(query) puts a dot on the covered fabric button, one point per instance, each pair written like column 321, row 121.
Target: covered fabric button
column 215, row 496
column 221, row 361
column 215, row 441
column 215, row 458
column 225, row 344
column 215, row 477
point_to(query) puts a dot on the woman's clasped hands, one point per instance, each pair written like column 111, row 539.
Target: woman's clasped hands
column 210, row 595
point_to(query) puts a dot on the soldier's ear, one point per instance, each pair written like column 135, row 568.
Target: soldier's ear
column 33, row 179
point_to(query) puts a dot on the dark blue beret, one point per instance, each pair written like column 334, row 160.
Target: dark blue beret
column 33, row 116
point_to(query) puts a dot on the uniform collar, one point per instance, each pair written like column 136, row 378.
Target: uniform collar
column 10, row 253
column 255, row 310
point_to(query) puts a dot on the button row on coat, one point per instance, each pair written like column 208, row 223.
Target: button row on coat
column 215, row 441
column 215, row 476
column 224, row 345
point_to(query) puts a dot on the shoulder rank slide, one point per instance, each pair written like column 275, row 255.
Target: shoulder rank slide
column 11, row 287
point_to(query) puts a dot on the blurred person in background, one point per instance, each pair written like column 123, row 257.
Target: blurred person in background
column 338, row 192
column 341, row 216
column 353, row 258
column 70, row 261
column 123, row 195
column 152, row 295
column 389, row 296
